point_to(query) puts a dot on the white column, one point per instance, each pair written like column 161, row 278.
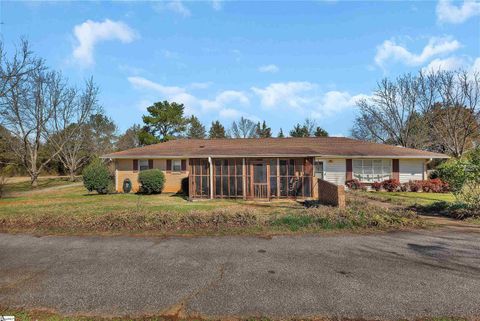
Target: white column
column 244, row 179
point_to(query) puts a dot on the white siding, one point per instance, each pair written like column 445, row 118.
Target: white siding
column 335, row 171
column 411, row 170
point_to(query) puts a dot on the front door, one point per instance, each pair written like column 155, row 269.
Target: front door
column 259, row 182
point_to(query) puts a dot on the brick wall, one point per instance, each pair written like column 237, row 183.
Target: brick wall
column 331, row 194
column 173, row 181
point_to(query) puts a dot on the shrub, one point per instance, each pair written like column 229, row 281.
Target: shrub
column 391, row 185
column 354, row 184
column 96, row 177
column 415, row 186
column 151, row 181
column 377, row 186
column 404, row 187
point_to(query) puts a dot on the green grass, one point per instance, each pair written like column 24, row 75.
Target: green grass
column 409, row 198
column 72, row 210
column 25, row 186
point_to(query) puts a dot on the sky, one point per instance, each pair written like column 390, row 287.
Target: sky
column 277, row 61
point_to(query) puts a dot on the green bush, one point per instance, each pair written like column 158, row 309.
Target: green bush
column 96, row 177
column 151, row 181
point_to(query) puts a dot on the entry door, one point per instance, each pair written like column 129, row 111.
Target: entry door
column 260, row 186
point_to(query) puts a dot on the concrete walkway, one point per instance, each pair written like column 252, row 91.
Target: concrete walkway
column 385, row 276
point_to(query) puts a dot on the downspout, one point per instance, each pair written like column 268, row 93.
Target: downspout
column 211, row 176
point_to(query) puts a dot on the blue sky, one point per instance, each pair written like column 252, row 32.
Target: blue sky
column 278, row 61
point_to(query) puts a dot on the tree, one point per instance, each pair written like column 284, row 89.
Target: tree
column 165, row 120
column 37, row 107
column 280, row 134
column 195, row 128
column 450, row 102
column 146, row 137
column 263, row 131
column 320, row 132
column 217, row 130
column 244, row 128
column 392, row 114
column 102, row 134
column 129, row 139
column 307, row 129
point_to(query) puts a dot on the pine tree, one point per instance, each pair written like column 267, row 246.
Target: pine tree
column 280, row 134
column 217, row 130
column 263, row 131
column 195, row 128
column 320, row 132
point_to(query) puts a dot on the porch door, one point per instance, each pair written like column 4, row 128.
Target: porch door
column 259, row 182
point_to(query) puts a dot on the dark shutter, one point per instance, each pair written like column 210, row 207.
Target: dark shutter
column 184, row 165
column 349, row 169
column 396, row 169
column 150, row 163
column 169, row 165
column 135, row 165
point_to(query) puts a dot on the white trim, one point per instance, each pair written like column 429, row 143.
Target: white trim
column 116, row 178
column 211, row 177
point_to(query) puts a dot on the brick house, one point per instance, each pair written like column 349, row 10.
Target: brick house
column 268, row 168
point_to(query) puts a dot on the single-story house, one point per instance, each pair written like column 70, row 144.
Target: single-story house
column 266, row 168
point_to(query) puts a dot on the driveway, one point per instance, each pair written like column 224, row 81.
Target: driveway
column 386, row 276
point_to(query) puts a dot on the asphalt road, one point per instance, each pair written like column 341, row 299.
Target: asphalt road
column 386, row 276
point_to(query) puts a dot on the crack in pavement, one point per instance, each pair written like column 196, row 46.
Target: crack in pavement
column 178, row 311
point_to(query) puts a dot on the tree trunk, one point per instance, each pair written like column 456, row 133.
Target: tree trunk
column 72, row 175
column 33, row 180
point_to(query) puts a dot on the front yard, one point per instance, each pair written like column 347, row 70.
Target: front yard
column 407, row 198
column 71, row 209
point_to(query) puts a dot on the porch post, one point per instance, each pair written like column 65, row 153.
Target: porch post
column 244, row 179
column 211, row 176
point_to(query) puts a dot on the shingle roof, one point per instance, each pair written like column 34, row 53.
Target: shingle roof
column 273, row 147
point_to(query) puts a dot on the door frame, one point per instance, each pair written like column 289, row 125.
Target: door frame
column 266, row 165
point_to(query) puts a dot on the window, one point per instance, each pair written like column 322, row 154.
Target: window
column 176, row 165
column 143, row 164
column 372, row 170
column 318, row 169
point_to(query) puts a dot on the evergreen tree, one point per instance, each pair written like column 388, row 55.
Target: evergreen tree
column 320, row 132
column 195, row 128
column 165, row 121
column 280, row 134
column 217, row 130
column 263, row 131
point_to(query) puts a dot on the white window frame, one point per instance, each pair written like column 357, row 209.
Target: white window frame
column 371, row 170
column 143, row 163
column 176, row 163
column 315, row 173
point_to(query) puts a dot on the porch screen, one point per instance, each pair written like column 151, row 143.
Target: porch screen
column 200, row 178
column 228, row 178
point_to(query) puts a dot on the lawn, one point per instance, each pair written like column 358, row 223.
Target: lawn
column 408, row 198
column 24, row 185
column 72, row 210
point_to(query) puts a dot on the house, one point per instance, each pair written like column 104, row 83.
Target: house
column 266, row 168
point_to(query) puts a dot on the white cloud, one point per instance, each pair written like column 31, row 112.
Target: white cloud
column 217, row 5
column 234, row 114
column 200, row 85
column 334, row 101
column 449, row 13
column 447, row 64
column 268, row 68
column 192, row 103
column 289, row 93
column 89, row 33
column 175, row 6
column 476, row 65
column 389, row 50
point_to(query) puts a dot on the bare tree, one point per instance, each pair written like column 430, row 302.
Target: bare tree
column 392, row 114
column 244, row 128
column 38, row 107
column 450, row 101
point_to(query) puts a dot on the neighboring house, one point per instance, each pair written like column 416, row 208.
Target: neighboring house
column 265, row 168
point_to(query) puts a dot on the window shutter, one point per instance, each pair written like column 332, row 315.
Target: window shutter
column 184, row 165
column 169, row 165
column 396, row 169
column 135, row 165
column 150, row 163
column 349, row 169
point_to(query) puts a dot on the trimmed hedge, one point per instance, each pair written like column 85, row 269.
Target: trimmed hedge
column 151, row 181
column 96, row 177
